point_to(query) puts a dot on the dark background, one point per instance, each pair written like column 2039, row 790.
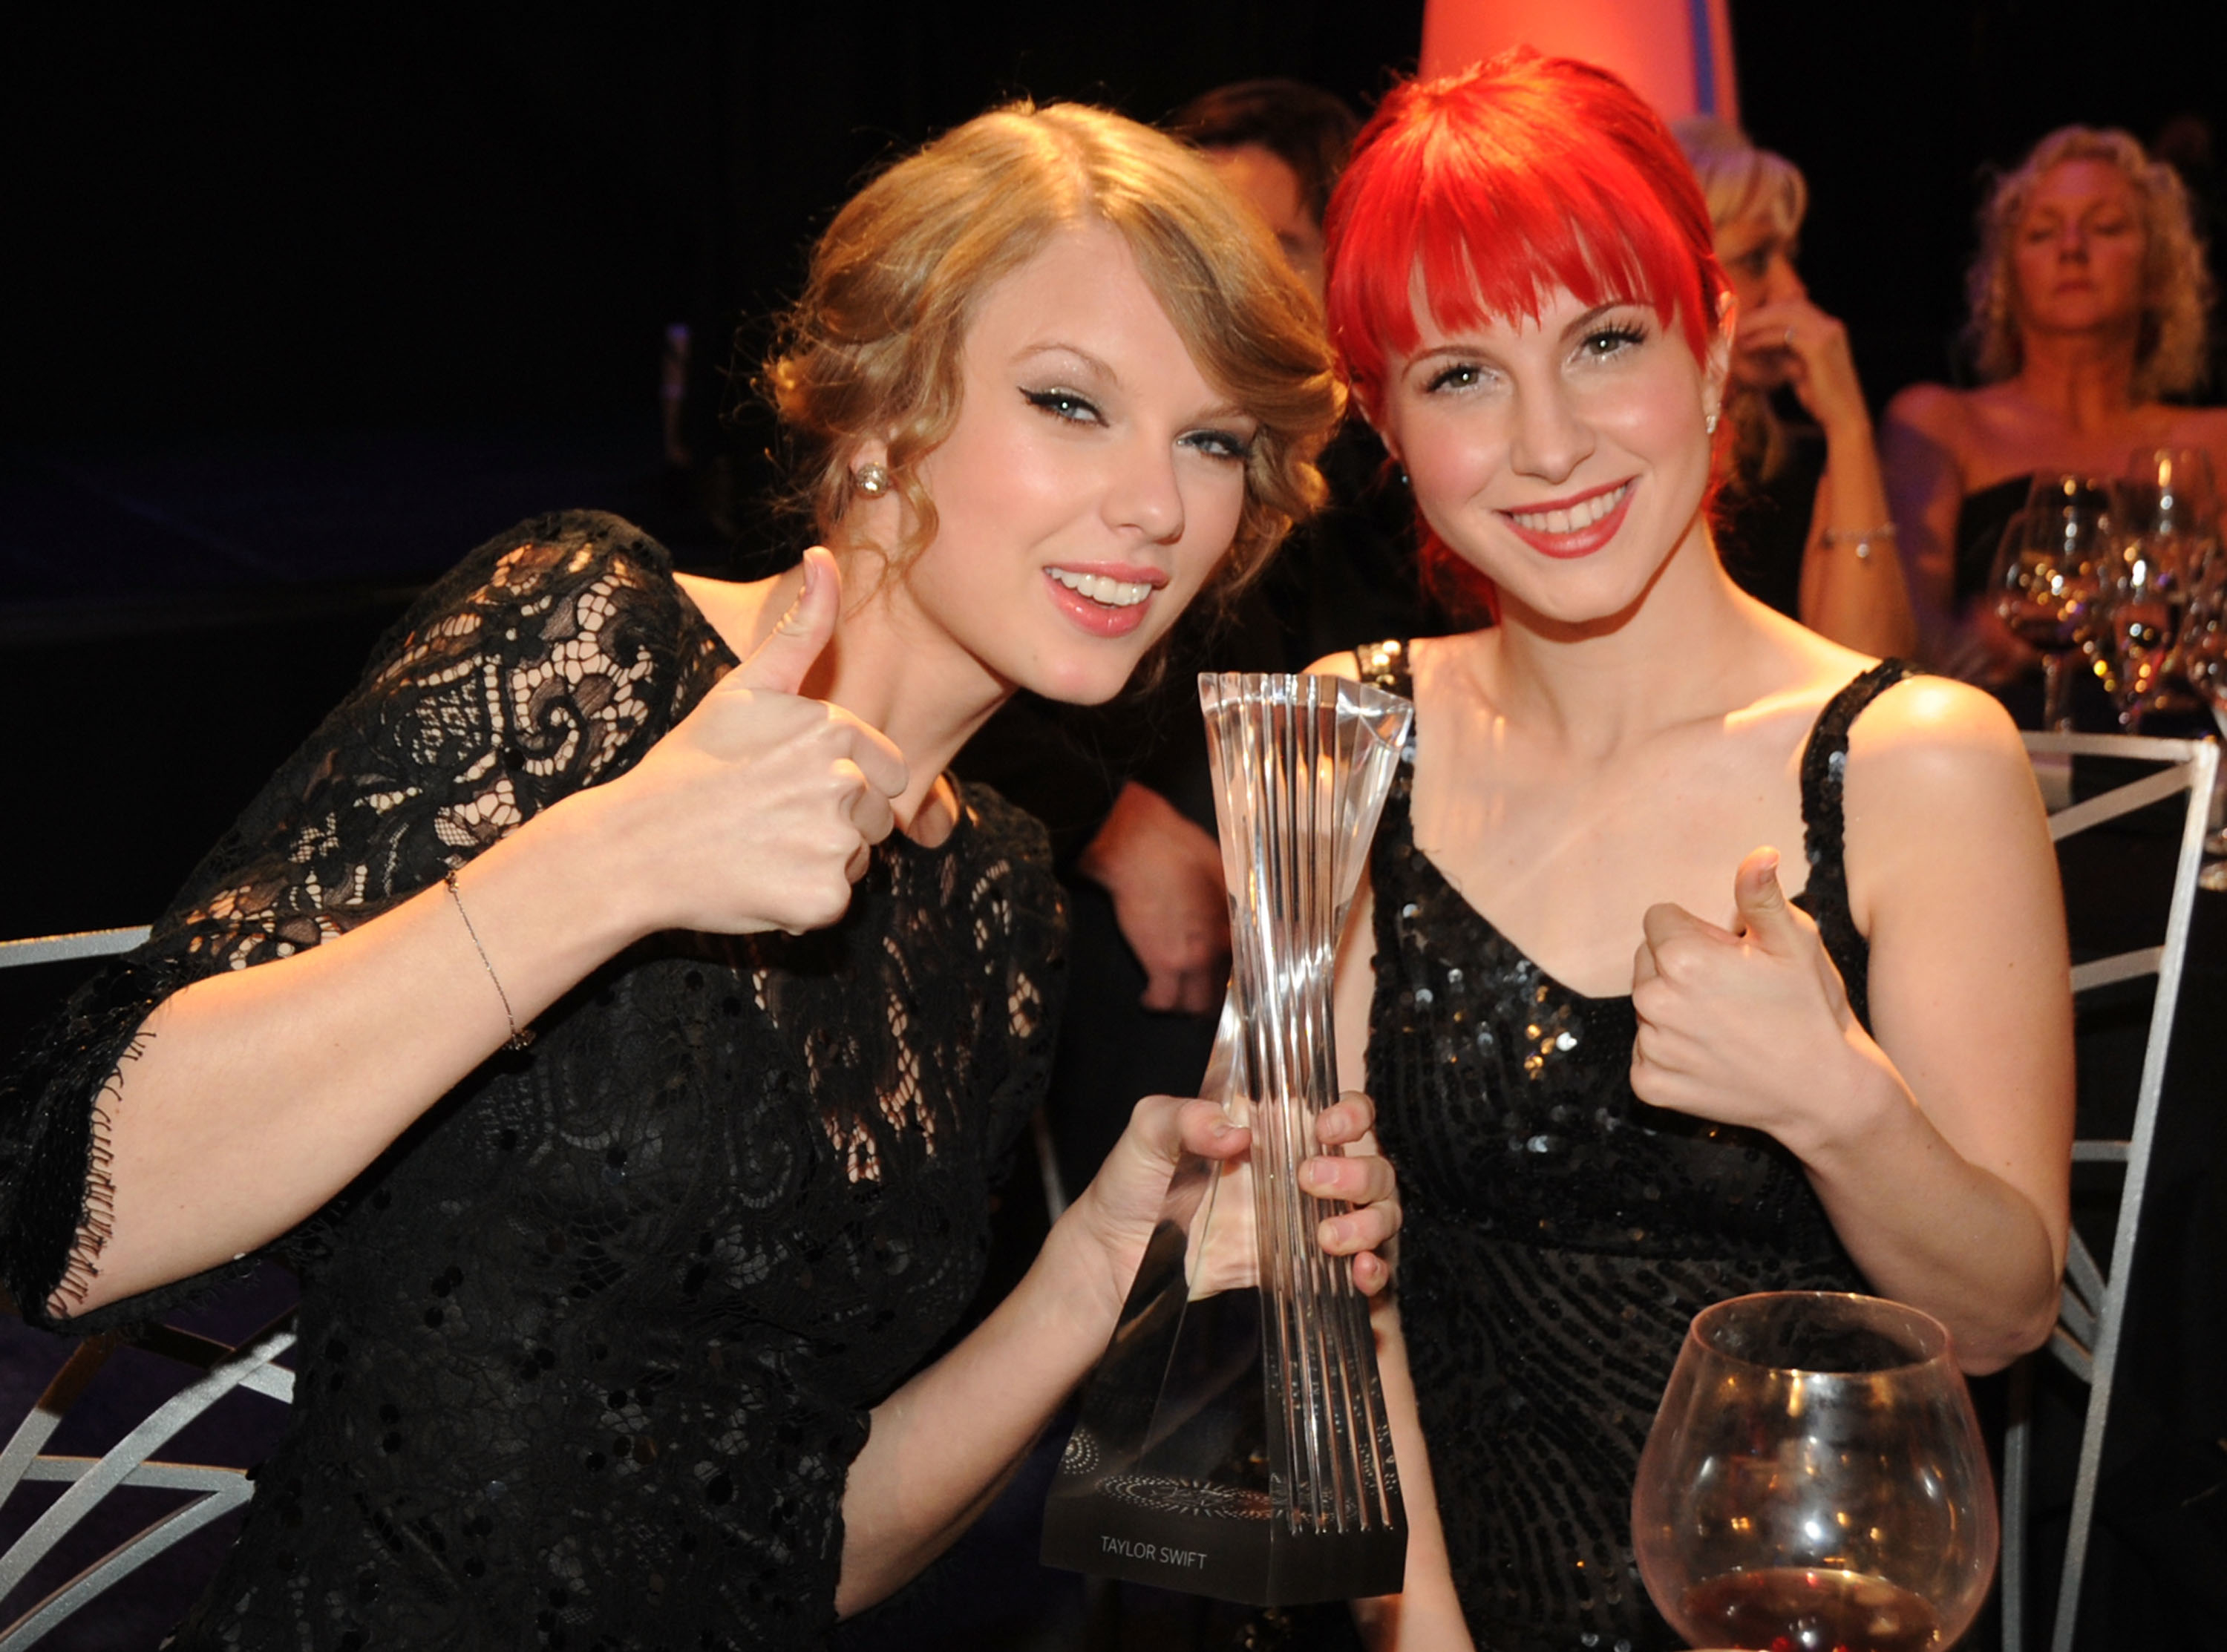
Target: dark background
column 242, row 218
column 252, row 218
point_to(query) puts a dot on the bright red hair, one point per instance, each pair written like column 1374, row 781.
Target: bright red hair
column 1496, row 186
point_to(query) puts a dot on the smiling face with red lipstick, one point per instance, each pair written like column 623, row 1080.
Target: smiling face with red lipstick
column 1524, row 288
column 1047, row 383
column 1091, row 481
column 1565, row 456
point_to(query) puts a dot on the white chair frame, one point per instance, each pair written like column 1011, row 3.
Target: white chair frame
column 2092, row 1311
column 130, row 1461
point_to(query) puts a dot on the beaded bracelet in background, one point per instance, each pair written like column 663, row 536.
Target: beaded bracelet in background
column 519, row 1037
column 1862, row 537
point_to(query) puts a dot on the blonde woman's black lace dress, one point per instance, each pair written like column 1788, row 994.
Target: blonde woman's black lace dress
column 585, row 1356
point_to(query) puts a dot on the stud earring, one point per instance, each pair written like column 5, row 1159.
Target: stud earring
column 871, row 480
column 1710, row 423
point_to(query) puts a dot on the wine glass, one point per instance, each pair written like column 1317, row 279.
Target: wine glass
column 2171, row 491
column 2046, row 583
column 2169, row 501
column 2144, row 600
column 1814, row 1478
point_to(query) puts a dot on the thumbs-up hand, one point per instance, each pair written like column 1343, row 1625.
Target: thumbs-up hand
column 761, row 809
column 779, row 664
column 1746, row 1028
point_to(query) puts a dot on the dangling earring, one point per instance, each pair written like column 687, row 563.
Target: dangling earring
column 1710, row 423
column 871, row 480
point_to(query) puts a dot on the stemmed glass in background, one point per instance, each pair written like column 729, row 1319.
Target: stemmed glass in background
column 2170, row 497
column 2164, row 513
column 2146, row 600
column 1814, row 1478
column 2046, row 577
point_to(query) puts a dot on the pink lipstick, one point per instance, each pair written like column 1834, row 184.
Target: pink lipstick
column 1107, row 599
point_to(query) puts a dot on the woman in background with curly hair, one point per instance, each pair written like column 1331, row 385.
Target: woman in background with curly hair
column 2090, row 303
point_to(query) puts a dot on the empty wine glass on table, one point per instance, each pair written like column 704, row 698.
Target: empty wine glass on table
column 1815, row 1479
column 2046, row 578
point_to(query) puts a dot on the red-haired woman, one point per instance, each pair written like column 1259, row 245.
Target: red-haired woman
column 1851, row 1070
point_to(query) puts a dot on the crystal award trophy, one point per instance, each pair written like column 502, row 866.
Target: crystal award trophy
column 1232, row 1441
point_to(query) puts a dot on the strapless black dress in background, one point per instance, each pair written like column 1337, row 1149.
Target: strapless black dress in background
column 1980, row 519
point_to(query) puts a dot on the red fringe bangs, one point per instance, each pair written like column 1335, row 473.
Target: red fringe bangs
column 1491, row 188
column 1497, row 185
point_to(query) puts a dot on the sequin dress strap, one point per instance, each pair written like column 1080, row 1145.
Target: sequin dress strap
column 1824, row 774
column 1384, row 665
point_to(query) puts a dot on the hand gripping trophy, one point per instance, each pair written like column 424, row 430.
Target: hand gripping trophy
column 1232, row 1441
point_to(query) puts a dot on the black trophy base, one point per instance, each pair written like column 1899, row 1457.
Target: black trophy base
column 1208, row 1539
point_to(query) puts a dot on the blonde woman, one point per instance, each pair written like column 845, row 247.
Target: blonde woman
column 1805, row 525
column 2091, row 304
column 618, row 1016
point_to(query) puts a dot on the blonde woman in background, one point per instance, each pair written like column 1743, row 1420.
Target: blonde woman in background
column 1805, row 524
column 2091, row 304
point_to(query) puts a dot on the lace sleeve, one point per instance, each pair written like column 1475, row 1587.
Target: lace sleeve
column 1029, row 899
column 549, row 660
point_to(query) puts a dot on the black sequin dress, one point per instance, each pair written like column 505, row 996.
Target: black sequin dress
column 1560, row 1232
column 586, row 1357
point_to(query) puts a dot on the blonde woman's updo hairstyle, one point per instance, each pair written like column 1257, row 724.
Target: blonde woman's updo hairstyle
column 1737, row 178
column 2170, row 354
column 874, row 346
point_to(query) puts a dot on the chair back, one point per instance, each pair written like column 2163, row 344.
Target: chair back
column 2092, row 1316
column 212, row 1490
column 217, row 1369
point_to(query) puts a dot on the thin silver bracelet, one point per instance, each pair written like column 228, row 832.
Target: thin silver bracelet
column 1862, row 537
column 519, row 1037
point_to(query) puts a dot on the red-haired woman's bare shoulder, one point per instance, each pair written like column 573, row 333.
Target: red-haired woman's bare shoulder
column 1941, row 795
column 1932, row 750
column 1397, row 656
column 1925, row 715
